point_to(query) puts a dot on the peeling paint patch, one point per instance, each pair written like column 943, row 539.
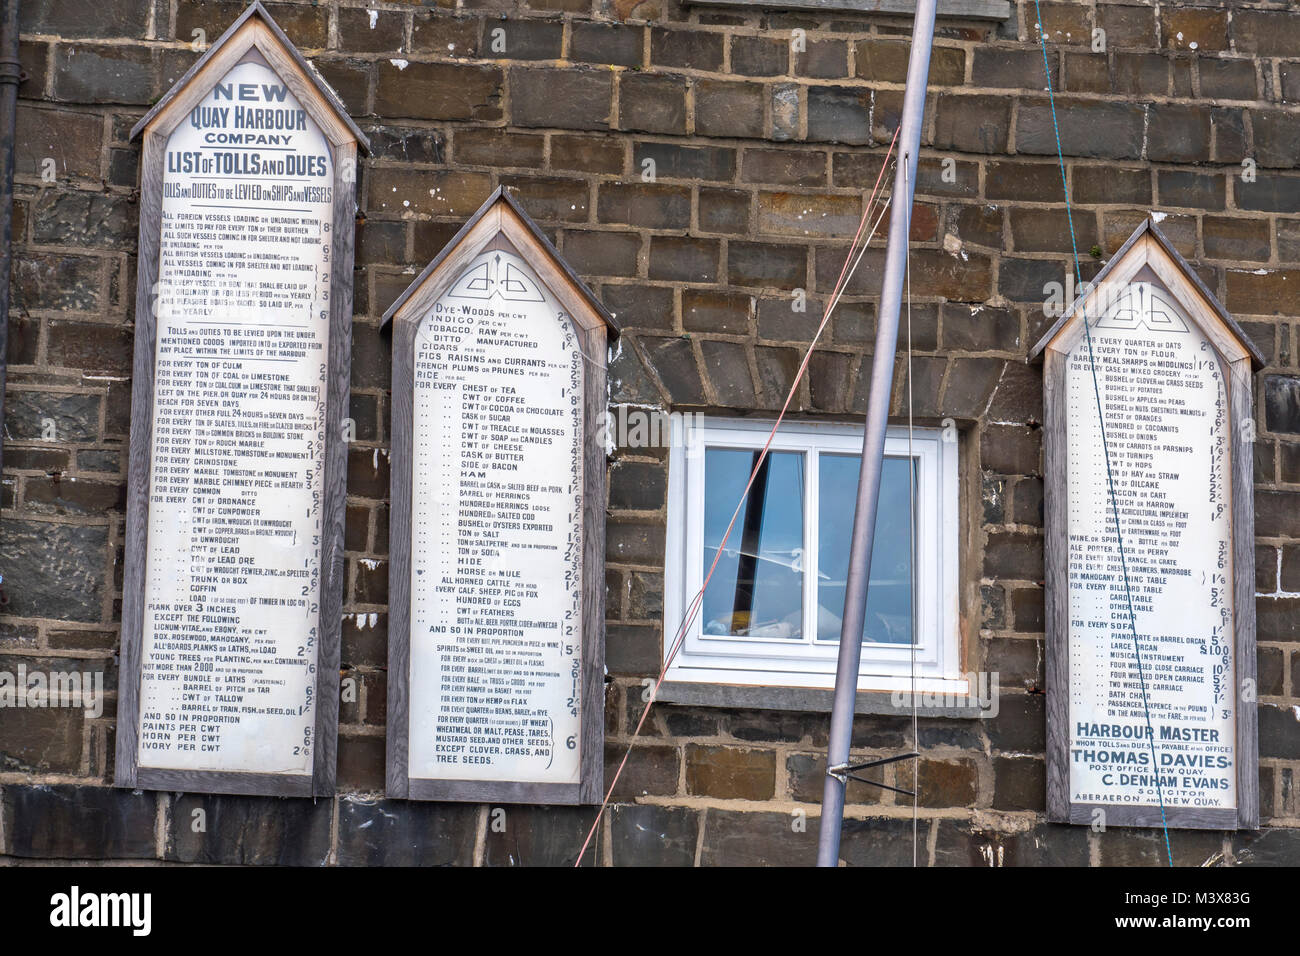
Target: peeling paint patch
column 993, row 855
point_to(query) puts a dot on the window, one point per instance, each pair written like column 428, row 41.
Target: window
column 771, row 614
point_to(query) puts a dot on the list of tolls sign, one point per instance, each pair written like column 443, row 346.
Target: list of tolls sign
column 496, row 596
column 266, row 116
column 1165, row 405
column 233, row 581
column 1149, row 552
column 497, row 519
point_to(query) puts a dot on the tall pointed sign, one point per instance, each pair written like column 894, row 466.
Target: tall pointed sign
column 233, row 577
column 496, row 606
column 1150, row 567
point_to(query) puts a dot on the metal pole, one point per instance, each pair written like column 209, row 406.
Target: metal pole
column 873, row 441
column 10, row 76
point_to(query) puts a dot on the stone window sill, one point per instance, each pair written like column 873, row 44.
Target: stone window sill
column 798, row 699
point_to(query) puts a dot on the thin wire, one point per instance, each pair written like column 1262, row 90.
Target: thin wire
column 846, row 273
column 911, row 514
column 1101, row 424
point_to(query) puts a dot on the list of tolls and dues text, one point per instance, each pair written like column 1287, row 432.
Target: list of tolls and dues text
column 496, row 525
column 233, row 576
column 1168, row 429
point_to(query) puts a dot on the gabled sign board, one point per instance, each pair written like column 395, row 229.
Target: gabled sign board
column 234, row 549
column 496, row 606
column 1150, row 646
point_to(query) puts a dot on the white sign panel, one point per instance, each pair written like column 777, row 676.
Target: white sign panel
column 1165, row 404
column 233, row 570
column 496, row 524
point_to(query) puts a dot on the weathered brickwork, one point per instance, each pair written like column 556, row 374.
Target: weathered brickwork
column 762, row 156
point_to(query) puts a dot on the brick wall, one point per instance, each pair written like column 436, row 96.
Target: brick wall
column 761, row 157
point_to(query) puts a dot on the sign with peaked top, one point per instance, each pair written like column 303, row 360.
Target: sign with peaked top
column 496, row 605
column 1150, row 570
column 234, row 549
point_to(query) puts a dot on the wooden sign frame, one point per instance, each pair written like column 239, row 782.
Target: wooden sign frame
column 503, row 222
column 254, row 34
column 1238, row 356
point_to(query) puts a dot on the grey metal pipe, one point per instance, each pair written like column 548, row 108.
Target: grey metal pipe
column 10, row 76
column 873, row 441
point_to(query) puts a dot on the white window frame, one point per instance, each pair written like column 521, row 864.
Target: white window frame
column 807, row 662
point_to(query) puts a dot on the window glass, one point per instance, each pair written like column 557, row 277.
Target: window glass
column 889, row 595
column 771, row 614
column 757, row 589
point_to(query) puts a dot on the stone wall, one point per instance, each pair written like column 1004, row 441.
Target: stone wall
column 761, row 159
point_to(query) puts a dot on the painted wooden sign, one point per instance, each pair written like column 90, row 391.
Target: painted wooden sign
column 233, row 581
column 1150, row 567
column 496, row 658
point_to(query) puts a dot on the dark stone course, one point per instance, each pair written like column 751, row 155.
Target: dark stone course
column 650, row 770
column 612, row 44
column 249, row 830
column 632, row 649
column 961, row 843
column 1269, row 847
column 637, row 485
column 1128, row 846
column 84, row 219
column 737, row 838
column 41, row 740
column 727, row 366
column 446, row 91
column 103, row 74
column 882, row 841
column 68, row 19
column 652, row 103
column 730, row 109
column 644, row 835
column 539, row 836
column 1020, row 726
column 839, row 114
column 639, row 306
column 973, row 123
column 1019, row 783
column 78, row 822
column 1104, row 130
column 1282, row 404
column 1018, row 661
column 1279, row 732
column 55, row 570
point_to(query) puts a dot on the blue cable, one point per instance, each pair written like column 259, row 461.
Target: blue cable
column 1101, row 422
